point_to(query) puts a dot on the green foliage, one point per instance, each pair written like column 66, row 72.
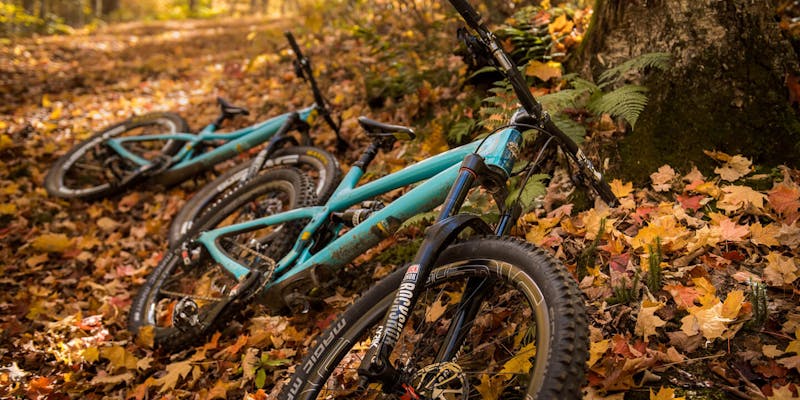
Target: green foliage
column 533, row 189
column 461, row 130
column 758, row 298
column 627, row 102
column 625, row 293
column 660, row 61
column 654, row 270
column 15, row 21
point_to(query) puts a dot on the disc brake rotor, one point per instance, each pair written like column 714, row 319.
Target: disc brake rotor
column 441, row 381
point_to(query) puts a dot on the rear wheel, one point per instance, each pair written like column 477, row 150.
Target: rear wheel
column 318, row 164
column 528, row 338
column 185, row 303
column 91, row 169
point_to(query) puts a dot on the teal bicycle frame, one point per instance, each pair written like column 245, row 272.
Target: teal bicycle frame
column 187, row 162
column 439, row 173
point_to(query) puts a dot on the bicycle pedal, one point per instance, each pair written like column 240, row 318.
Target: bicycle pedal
column 184, row 315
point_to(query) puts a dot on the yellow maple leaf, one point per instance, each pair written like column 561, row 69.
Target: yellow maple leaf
column 764, row 235
column 119, row 357
column 592, row 220
column 732, row 304
column 621, row 189
column 664, row 394
column 794, row 345
column 520, row 363
column 543, row 71
column 596, row 351
column 662, row 178
column 647, row 321
column 741, row 197
column 51, row 242
column 710, row 321
column 782, row 393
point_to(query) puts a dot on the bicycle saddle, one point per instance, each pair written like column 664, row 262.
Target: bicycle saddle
column 378, row 129
column 230, row 110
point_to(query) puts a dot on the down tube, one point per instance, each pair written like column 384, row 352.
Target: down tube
column 382, row 224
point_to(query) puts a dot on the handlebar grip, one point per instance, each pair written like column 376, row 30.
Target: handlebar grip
column 293, row 44
column 471, row 17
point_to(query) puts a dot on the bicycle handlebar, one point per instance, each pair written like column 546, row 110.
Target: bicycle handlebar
column 303, row 68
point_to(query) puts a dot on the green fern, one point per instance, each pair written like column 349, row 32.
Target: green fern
column 659, row 61
column 627, row 102
column 461, row 129
column 574, row 130
column 533, row 189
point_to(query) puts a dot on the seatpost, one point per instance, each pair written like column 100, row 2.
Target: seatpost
column 368, row 156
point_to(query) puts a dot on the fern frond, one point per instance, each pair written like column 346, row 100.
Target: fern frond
column 461, row 129
column 574, row 130
column 660, row 61
column 558, row 101
column 627, row 102
column 583, row 84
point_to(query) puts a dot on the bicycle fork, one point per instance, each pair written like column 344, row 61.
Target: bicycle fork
column 376, row 366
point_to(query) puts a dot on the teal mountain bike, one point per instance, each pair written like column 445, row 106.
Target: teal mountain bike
column 157, row 149
column 469, row 315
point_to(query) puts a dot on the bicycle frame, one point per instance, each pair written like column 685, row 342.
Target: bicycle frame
column 439, row 172
column 187, row 163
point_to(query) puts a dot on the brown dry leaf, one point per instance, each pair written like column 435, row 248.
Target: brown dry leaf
column 543, row 71
column 51, row 242
column 175, row 371
column 785, row 200
column 684, row 296
column 107, row 224
column 741, row 197
column 36, row 260
column 693, row 175
column 662, row 178
column 771, row 350
column 790, row 362
column 219, row 391
column 780, row 270
column 717, row 155
column 794, row 345
column 764, row 235
column 103, row 378
column 647, row 321
column 735, row 168
column 782, row 393
column 621, row 189
column 145, row 337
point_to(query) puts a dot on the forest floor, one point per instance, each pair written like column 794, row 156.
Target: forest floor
column 723, row 320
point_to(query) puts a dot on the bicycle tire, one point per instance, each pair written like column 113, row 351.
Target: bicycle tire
column 172, row 279
column 54, row 182
column 321, row 165
column 528, row 271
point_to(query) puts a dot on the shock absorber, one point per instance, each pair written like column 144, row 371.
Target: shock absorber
column 353, row 217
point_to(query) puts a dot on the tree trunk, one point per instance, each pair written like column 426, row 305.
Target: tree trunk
column 726, row 90
column 29, row 6
column 109, row 6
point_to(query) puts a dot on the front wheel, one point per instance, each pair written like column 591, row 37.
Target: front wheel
column 528, row 338
column 318, row 164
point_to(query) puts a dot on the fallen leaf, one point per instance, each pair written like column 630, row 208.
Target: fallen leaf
column 780, row 270
column 662, row 178
column 647, row 321
column 51, row 242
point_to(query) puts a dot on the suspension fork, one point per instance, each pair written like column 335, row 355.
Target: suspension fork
column 376, row 366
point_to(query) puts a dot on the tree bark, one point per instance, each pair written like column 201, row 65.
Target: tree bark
column 726, row 90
